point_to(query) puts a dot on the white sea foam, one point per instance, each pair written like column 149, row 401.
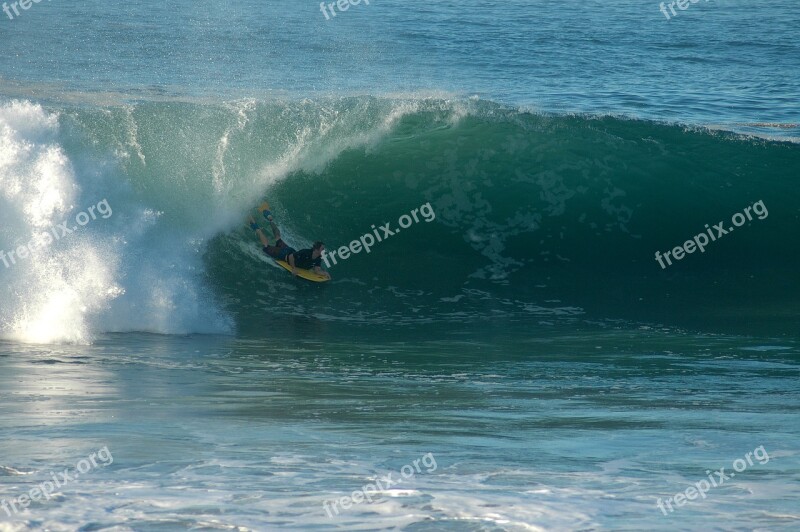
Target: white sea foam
column 112, row 274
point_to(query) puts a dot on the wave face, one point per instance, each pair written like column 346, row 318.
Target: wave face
column 539, row 219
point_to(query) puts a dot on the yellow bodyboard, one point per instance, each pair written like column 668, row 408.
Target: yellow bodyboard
column 305, row 274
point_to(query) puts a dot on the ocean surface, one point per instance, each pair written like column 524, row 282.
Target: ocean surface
column 579, row 303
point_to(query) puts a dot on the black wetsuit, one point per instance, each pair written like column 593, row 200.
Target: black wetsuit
column 303, row 259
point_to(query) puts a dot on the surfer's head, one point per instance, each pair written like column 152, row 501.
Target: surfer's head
column 318, row 249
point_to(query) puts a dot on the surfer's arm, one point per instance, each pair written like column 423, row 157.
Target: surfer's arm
column 322, row 272
column 290, row 260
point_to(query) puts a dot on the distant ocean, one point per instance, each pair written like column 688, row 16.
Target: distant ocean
column 600, row 313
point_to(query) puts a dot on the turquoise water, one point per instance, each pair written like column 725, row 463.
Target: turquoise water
column 520, row 332
column 579, row 429
column 727, row 61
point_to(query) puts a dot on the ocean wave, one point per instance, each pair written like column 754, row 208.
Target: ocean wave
column 538, row 216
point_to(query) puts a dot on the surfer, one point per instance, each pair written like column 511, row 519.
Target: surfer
column 307, row 259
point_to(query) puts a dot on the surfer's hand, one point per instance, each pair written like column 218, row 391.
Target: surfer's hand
column 294, row 271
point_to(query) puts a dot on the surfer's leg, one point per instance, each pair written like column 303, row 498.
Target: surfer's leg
column 275, row 231
column 261, row 236
column 272, row 251
column 264, row 210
